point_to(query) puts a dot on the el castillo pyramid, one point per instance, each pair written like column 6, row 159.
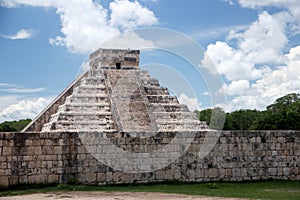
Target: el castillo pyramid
column 115, row 95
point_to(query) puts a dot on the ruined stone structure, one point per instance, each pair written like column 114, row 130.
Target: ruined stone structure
column 115, row 95
column 116, row 104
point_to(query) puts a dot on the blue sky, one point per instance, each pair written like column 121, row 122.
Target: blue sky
column 254, row 45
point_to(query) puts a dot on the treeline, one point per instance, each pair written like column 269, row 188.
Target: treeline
column 283, row 114
column 14, row 125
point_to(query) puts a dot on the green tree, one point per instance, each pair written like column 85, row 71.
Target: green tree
column 241, row 120
column 14, row 125
column 215, row 114
column 283, row 114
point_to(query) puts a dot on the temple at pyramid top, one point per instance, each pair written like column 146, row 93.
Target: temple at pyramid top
column 115, row 95
column 115, row 59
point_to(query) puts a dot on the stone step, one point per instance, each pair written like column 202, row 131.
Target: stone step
column 162, row 99
column 89, row 90
column 84, row 122
column 179, row 122
column 97, row 73
column 85, row 104
column 86, row 113
column 169, row 107
column 79, row 124
column 92, row 81
column 181, row 127
column 143, row 74
column 86, row 107
column 175, row 115
column 82, row 117
column 81, row 127
column 86, row 98
column 152, row 82
column 126, row 91
column 47, row 127
column 89, row 95
column 101, row 86
column 156, row 91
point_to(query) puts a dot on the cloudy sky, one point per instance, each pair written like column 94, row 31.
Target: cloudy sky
column 254, row 44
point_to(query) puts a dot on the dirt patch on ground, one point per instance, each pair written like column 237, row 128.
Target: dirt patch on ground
column 110, row 196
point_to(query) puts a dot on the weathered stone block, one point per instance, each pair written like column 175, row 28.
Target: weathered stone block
column 286, row 171
column 48, row 142
column 272, row 171
column 47, row 150
column 58, row 150
column 28, row 158
column 213, row 173
column 52, row 178
column 236, row 172
column 4, row 181
column 37, row 179
column 101, row 177
column 28, row 142
column 160, row 175
column 7, row 151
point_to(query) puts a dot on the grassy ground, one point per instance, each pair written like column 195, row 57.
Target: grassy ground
column 254, row 190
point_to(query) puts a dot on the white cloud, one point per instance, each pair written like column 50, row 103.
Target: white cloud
column 126, row 14
column 20, row 35
column 206, row 93
column 217, row 31
column 231, row 62
column 127, row 40
column 86, row 24
column 14, row 107
column 192, row 103
column 12, row 88
column 36, row 3
column 264, row 40
column 291, row 6
column 283, row 80
column 7, row 100
column 263, row 3
column 256, row 68
column 261, row 43
column 246, row 102
column 83, row 32
column 23, row 109
column 239, row 87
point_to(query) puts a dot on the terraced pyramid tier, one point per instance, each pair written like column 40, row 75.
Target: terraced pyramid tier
column 116, row 96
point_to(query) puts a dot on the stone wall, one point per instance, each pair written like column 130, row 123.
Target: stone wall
column 59, row 157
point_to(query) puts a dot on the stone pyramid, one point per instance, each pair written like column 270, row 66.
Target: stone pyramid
column 115, row 95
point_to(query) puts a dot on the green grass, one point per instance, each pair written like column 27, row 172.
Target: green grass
column 253, row 190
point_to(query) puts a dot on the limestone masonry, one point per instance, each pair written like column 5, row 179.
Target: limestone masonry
column 116, row 111
column 115, row 95
column 60, row 157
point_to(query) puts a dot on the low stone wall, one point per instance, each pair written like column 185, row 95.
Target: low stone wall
column 62, row 157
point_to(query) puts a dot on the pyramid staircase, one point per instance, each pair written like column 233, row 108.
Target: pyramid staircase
column 86, row 109
column 111, row 98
